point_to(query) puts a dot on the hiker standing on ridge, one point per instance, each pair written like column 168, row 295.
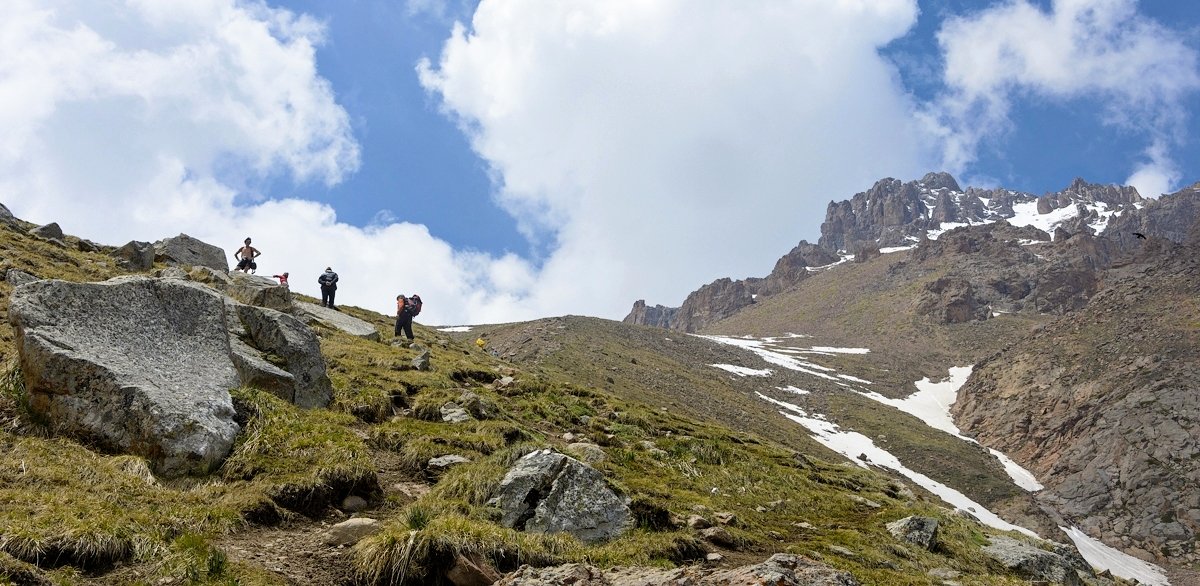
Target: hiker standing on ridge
column 245, row 257
column 406, row 309
column 282, row 279
column 328, row 282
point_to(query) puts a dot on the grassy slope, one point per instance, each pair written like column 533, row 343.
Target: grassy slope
column 75, row 512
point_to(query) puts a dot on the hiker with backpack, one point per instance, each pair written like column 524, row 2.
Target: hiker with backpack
column 406, row 309
column 328, row 282
column 245, row 257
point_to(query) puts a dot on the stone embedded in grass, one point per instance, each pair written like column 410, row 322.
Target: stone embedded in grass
column 921, row 531
column 548, row 492
column 351, row 531
column 452, row 413
column 587, row 452
column 438, row 466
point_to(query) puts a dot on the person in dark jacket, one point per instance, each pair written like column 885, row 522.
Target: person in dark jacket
column 328, row 282
column 404, row 317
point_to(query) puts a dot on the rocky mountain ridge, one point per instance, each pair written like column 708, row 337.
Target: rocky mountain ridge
column 895, row 214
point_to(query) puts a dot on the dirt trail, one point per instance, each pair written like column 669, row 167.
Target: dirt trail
column 296, row 550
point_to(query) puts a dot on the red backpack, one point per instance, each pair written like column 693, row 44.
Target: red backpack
column 412, row 305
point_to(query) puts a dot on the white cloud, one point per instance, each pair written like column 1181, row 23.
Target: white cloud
column 1156, row 176
column 140, row 120
column 660, row 145
column 1080, row 49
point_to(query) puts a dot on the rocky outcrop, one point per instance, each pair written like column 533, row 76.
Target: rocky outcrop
column 144, row 366
column 657, row 316
column 712, row 302
column 887, row 213
column 50, row 231
column 1101, row 405
column 548, row 492
column 1169, row 217
column 183, row 250
column 6, row 216
column 794, row 266
column 134, row 365
column 780, row 569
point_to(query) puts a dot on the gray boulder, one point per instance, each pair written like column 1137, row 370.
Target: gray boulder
column 136, row 365
column 548, row 492
column 17, row 277
column 256, row 371
column 258, row 291
column 477, row 406
column 452, row 413
column 421, row 362
column 134, row 255
column 781, row 569
column 312, row 313
column 921, row 531
column 587, row 452
column 6, row 216
column 187, row 251
column 281, row 335
column 1061, row 566
column 50, row 231
column 351, row 531
column 438, row 466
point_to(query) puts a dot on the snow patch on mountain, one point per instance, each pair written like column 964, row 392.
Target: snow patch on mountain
column 854, row 446
column 1119, row 563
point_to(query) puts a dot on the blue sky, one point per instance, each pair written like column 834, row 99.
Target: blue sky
column 516, row 159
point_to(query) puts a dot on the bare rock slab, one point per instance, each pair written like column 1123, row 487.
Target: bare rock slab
column 311, row 312
column 137, row 365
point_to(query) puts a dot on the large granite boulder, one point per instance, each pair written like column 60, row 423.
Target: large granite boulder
column 187, row 251
column 548, row 492
column 136, row 365
column 279, row 334
column 135, row 255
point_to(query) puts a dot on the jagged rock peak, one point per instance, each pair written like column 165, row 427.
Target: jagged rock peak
column 940, row 180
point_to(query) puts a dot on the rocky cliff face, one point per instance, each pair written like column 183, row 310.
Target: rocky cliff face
column 1102, row 405
column 723, row 297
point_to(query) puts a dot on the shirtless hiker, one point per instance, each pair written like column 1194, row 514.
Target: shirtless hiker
column 245, row 257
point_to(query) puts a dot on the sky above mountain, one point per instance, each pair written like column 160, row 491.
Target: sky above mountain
column 522, row 158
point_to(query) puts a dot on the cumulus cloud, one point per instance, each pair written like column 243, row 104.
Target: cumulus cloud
column 145, row 119
column 1101, row 50
column 660, row 145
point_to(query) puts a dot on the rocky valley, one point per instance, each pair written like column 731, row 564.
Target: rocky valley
column 950, row 387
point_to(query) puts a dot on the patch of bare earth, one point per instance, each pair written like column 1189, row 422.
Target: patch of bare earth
column 295, row 552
